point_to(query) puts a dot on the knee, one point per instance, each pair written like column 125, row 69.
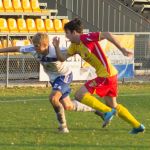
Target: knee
column 111, row 104
column 69, row 108
column 54, row 100
column 78, row 96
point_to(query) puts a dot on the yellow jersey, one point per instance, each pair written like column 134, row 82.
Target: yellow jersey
column 90, row 50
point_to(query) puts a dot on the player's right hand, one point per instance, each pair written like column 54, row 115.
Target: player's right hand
column 126, row 52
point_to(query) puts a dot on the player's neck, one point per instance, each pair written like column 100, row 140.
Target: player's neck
column 77, row 39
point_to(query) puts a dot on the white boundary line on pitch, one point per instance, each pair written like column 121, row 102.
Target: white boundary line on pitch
column 132, row 95
column 46, row 99
column 26, row 100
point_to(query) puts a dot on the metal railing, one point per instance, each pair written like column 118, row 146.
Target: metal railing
column 105, row 15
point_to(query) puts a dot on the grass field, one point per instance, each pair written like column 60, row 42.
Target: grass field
column 27, row 122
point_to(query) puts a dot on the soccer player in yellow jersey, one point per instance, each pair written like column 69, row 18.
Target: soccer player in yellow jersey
column 105, row 84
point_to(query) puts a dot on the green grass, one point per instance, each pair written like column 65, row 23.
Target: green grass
column 31, row 125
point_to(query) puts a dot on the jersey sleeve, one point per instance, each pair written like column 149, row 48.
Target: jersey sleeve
column 27, row 49
column 91, row 37
column 71, row 49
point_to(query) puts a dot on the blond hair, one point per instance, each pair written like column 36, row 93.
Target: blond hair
column 39, row 37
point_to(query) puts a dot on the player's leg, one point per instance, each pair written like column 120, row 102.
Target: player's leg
column 59, row 110
column 75, row 105
column 84, row 96
column 67, row 103
column 59, row 89
column 125, row 114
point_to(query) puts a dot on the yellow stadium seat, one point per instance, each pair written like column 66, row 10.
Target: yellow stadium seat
column 27, row 42
column 12, row 24
column 58, row 25
column 49, row 26
column 45, row 10
column 40, row 25
column 17, row 5
column 1, row 6
column 26, row 6
column 64, row 21
column 35, row 6
column 6, row 43
column 3, row 25
column 20, row 42
column 8, row 6
column 1, row 46
column 31, row 25
column 14, row 42
column 22, row 27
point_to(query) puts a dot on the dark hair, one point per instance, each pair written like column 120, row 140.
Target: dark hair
column 74, row 25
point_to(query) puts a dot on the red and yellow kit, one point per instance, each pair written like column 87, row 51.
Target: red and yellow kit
column 90, row 50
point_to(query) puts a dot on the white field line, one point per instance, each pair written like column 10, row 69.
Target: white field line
column 25, row 100
column 46, row 99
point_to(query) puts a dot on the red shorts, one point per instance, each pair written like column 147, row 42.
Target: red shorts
column 103, row 86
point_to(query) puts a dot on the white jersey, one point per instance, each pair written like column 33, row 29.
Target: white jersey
column 52, row 66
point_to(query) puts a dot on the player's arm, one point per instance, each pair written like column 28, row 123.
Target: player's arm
column 61, row 56
column 112, row 39
column 10, row 49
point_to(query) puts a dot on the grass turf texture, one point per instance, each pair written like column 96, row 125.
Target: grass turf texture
column 30, row 124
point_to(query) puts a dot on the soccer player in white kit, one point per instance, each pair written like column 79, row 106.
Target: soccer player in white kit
column 60, row 77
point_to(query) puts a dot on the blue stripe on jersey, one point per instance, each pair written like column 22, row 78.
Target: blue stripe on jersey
column 27, row 49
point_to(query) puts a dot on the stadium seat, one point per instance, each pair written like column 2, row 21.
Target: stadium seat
column 64, row 21
column 6, row 44
column 49, row 25
column 31, row 25
column 1, row 46
column 45, row 10
column 14, row 42
column 58, row 25
column 26, row 6
column 40, row 25
column 22, row 27
column 17, row 42
column 27, row 42
column 35, row 6
column 8, row 5
column 12, row 25
column 1, row 6
column 3, row 25
column 17, row 5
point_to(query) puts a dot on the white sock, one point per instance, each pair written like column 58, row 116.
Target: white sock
column 82, row 107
